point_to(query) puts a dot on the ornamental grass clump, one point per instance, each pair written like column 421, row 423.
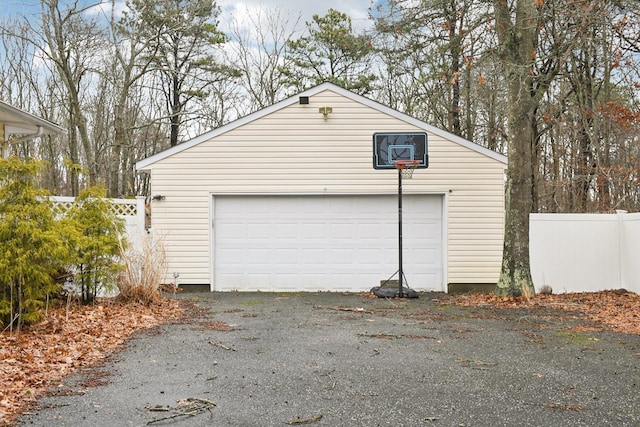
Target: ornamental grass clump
column 145, row 266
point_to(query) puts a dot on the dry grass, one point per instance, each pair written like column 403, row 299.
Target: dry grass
column 144, row 269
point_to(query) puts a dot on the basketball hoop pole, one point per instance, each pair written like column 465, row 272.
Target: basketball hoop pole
column 405, row 151
column 400, row 272
column 405, row 168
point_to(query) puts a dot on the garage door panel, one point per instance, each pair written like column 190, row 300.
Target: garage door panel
column 340, row 230
column 260, row 230
column 421, row 230
column 373, row 231
column 314, row 230
column 287, row 231
column 340, row 256
column 232, row 256
column 423, row 281
column 313, row 256
column 422, row 256
column 231, row 230
column 324, row 242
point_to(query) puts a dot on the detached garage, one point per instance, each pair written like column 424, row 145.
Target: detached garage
column 287, row 199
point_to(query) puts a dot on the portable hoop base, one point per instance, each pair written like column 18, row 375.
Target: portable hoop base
column 405, row 170
column 390, row 290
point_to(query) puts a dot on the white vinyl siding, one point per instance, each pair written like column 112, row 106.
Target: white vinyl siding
column 294, row 150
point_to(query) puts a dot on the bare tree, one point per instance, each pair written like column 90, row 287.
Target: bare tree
column 259, row 50
column 435, row 45
column 132, row 59
column 73, row 44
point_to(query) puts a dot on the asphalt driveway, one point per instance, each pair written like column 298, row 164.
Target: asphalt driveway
column 328, row 359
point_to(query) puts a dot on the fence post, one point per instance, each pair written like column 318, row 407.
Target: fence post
column 140, row 214
column 621, row 249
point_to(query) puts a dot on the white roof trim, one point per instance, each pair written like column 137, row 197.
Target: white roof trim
column 145, row 163
column 17, row 121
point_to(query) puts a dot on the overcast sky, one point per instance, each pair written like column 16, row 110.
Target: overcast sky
column 358, row 10
column 234, row 9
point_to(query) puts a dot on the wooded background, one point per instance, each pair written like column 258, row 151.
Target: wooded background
column 556, row 80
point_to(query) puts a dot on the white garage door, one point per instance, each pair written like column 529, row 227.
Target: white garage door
column 311, row 243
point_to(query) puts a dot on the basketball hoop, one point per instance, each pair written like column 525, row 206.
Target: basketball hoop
column 404, row 151
column 406, row 167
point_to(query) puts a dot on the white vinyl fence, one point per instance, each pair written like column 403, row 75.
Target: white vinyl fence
column 131, row 210
column 585, row 252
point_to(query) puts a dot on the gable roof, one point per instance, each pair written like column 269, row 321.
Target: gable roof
column 19, row 122
column 145, row 163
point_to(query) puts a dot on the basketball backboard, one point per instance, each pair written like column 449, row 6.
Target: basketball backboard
column 388, row 147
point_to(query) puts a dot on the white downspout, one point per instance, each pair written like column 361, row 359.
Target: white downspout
column 5, row 142
column 29, row 137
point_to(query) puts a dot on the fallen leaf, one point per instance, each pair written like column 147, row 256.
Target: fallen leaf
column 48, row 351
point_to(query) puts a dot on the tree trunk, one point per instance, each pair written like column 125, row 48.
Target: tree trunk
column 116, row 153
column 74, row 157
column 69, row 60
column 515, row 276
column 518, row 47
column 176, row 110
column 119, row 140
